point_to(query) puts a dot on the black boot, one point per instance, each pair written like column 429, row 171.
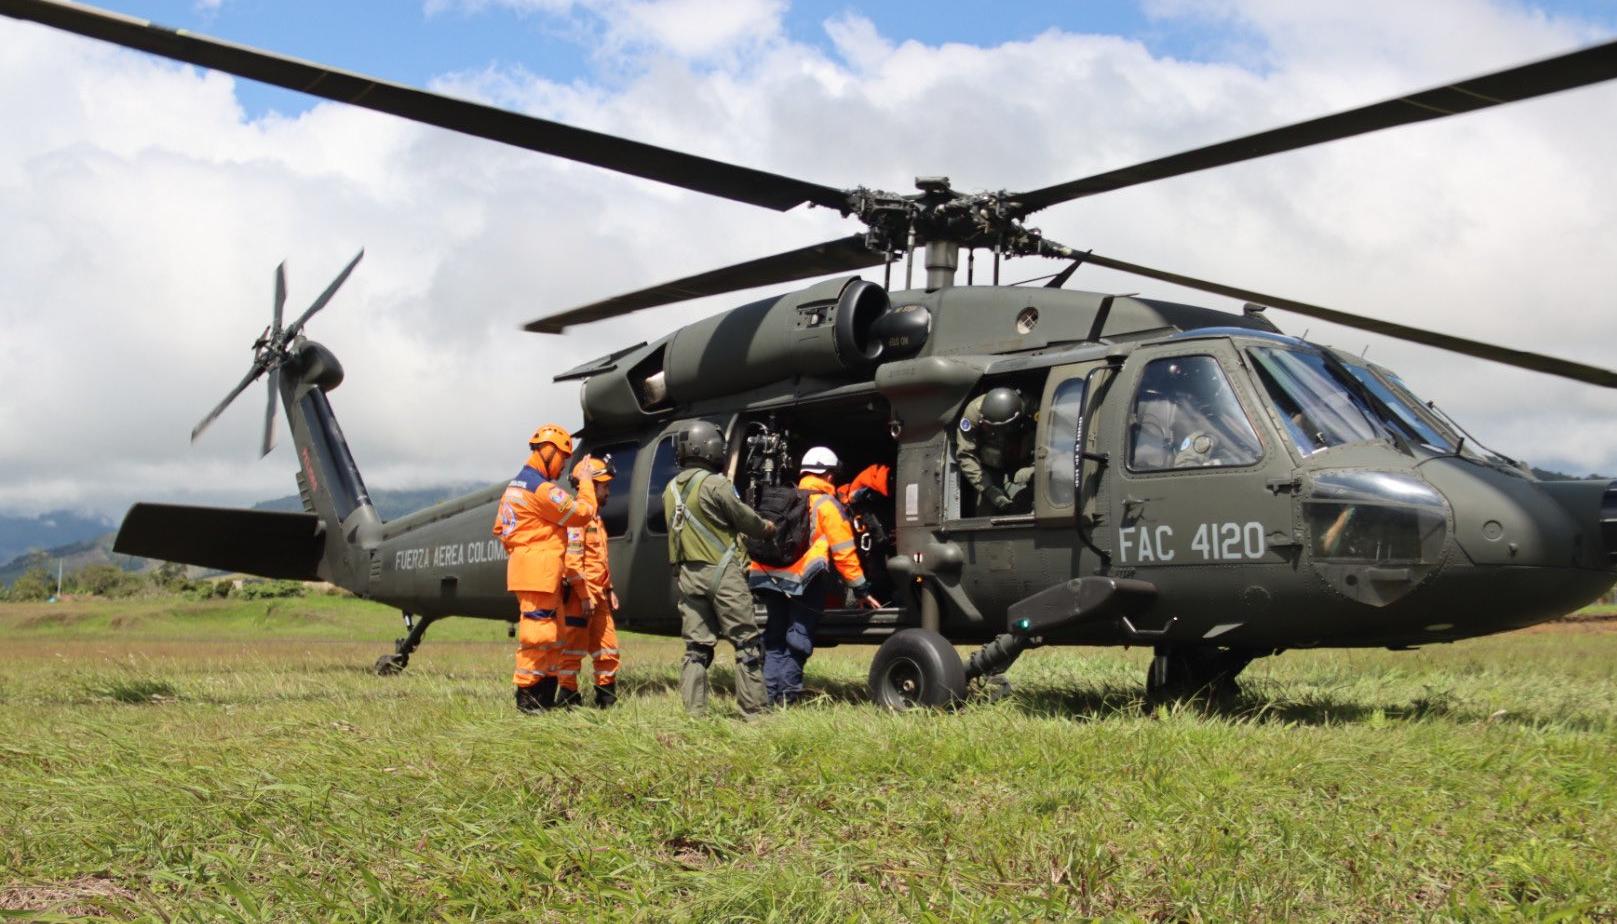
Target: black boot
column 605, row 695
column 528, row 701
column 568, row 699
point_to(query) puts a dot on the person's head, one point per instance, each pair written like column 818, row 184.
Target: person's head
column 700, row 444
column 601, row 471
column 1003, row 410
column 552, row 444
column 819, row 461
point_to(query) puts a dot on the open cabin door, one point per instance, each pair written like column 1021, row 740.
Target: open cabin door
column 1069, row 409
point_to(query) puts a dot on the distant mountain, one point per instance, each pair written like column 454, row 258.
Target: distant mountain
column 80, row 541
column 1544, row 474
column 73, row 556
column 19, row 535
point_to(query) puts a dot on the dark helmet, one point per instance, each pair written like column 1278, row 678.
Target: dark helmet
column 702, row 444
column 1002, row 408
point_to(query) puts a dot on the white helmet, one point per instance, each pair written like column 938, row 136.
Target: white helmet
column 819, row 459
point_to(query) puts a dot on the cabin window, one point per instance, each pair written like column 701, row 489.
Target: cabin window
column 1186, row 415
column 663, row 470
column 1061, row 443
column 615, row 512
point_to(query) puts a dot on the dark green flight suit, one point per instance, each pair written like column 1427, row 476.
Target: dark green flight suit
column 994, row 462
column 704, row 543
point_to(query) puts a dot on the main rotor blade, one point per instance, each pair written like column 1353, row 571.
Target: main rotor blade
column 848, row 253
column 269, row 411
column 701, row 174
column 1576, row 69
column 1593, row 375
column 319, row 303
column 280, row 297
column 253, row 373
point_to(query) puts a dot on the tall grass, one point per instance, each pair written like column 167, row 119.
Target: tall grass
column 264, row 778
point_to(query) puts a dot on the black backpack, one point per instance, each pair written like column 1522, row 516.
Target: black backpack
column 788, row 509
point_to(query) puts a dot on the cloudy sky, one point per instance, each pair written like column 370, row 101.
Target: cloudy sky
column 144, row 204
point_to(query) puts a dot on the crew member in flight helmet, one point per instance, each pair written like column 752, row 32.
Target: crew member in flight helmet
column 532, row 523
column 993, row 453
column 706, row 519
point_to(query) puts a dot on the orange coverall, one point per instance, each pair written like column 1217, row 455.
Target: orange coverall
column 532, row 525
column 588, row 627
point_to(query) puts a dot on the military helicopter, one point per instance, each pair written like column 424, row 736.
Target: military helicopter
column 1202, row 482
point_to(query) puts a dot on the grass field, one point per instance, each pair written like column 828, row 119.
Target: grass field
column 236, row 761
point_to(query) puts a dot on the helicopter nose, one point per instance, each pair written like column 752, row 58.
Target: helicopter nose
column 1529, row 550
column 1592, row 505
column 1503, row 518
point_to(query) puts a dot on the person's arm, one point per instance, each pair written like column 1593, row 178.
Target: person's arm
column 728, row 508
column 838, row 532
column 554, row 505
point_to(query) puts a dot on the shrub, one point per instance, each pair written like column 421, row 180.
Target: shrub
column 105, row 580
column 266, row 590
column 170, row 576
column 35, row 584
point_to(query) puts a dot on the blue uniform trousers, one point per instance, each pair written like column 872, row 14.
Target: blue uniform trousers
column 789, row 637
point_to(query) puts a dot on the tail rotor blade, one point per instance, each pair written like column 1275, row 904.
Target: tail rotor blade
column 253, row 373
column 319, row 303
column 269, row 411
column 280, row 294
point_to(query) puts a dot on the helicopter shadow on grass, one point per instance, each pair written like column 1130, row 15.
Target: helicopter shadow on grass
column 1254, row 704
column 1259, row 705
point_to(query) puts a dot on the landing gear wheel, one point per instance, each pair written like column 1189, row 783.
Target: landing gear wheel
column 390, row 664
column 917, row 667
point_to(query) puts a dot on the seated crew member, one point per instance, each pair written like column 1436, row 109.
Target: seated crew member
column 993, row 451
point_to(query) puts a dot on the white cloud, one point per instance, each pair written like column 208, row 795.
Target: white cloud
column 687, row 29
column 144, row 215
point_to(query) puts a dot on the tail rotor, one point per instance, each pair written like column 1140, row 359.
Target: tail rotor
column 272, row 350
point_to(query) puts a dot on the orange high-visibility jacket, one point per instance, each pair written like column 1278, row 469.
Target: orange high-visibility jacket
column 833, row 542
column 873, row 477
column 532, row 524
column 591, row 563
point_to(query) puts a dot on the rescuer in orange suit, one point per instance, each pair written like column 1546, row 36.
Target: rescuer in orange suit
column 587, row 627
column 795, row 595
column 532, row 524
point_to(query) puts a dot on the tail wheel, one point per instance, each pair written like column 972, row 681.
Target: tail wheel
column 917, row 667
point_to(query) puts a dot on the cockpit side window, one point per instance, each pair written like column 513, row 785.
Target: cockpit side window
column 1186, row 415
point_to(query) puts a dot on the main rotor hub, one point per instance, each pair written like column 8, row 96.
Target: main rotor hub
column 896, row 222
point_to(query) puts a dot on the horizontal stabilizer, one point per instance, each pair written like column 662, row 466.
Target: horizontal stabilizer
column 261, row 542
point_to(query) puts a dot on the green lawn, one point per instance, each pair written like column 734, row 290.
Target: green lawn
column 169, row 760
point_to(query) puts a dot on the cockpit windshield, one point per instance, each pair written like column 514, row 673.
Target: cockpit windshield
column 1319, row 405
column 1455, row 438
column 1410, row 421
